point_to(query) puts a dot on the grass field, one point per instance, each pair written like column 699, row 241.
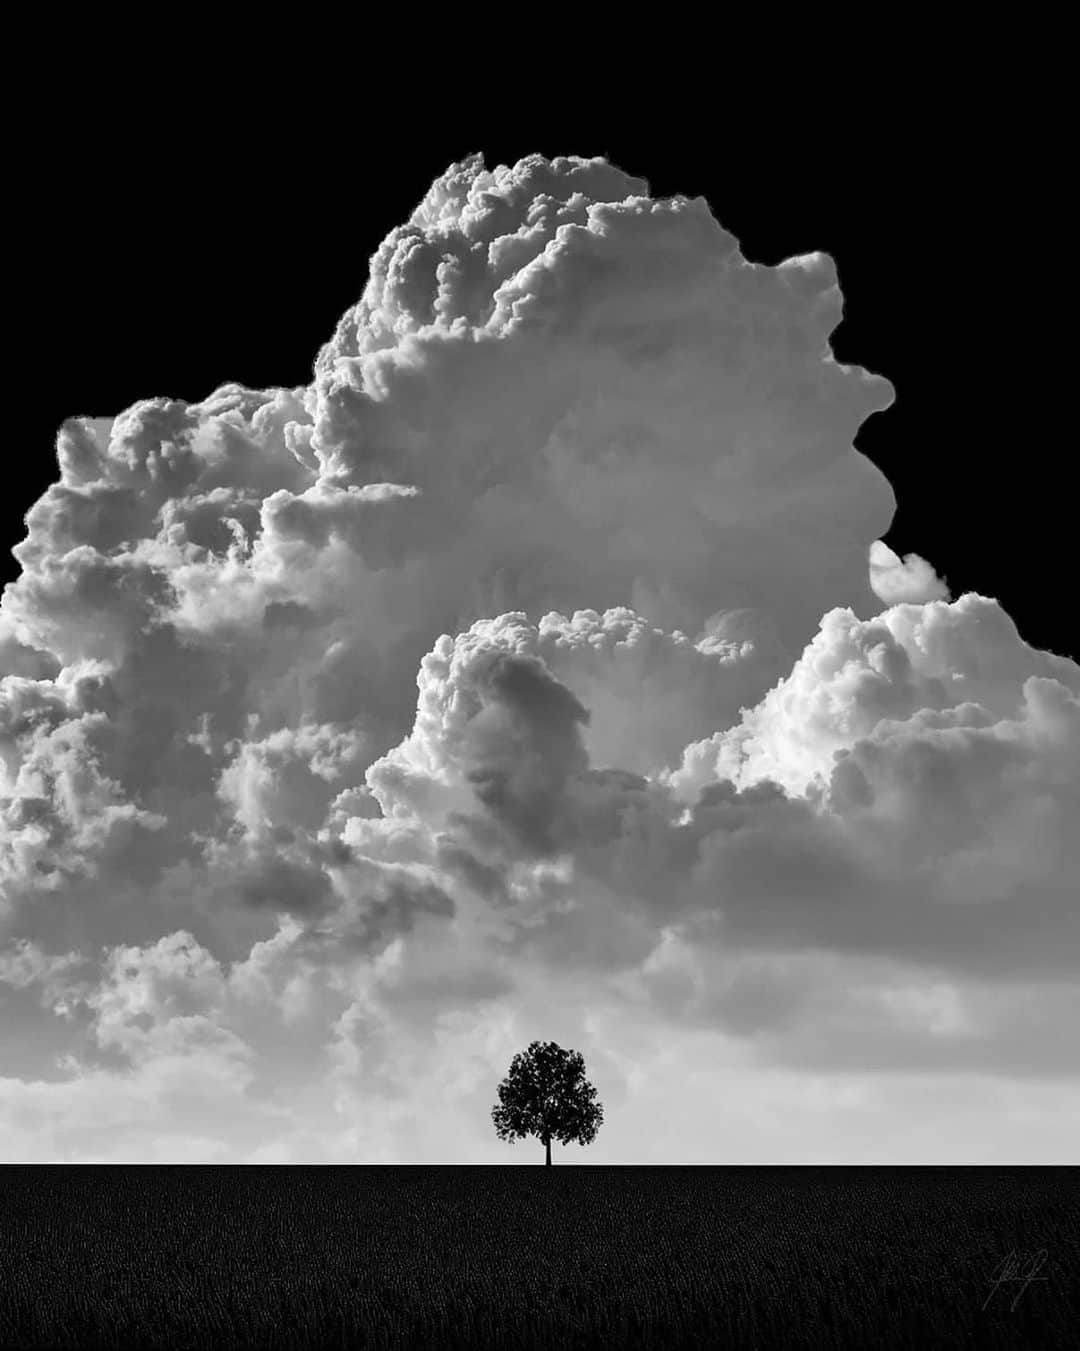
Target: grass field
column 548, row 1257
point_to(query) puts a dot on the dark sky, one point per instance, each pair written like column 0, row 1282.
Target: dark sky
column 168, row 264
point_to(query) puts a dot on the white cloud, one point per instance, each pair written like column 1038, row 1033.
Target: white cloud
column 895, row 580
column 526, row 675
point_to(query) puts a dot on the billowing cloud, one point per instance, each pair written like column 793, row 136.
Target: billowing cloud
column 525, row 675
column 894, row 579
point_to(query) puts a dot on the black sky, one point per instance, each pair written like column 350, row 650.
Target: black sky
column 168, row 263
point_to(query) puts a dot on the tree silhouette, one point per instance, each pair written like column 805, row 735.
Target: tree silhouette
column 547, row 1095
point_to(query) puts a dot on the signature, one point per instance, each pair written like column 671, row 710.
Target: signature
column 1013, row 1268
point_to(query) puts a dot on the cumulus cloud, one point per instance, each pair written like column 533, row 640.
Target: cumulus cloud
column 895, row 580
column 523, row 675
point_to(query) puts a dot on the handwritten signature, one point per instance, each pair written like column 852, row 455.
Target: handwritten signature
column 1012, row 1268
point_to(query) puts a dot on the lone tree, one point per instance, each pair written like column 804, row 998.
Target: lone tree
column 547, row 1095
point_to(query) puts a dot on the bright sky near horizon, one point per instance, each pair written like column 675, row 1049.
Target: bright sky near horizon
column 536, row 672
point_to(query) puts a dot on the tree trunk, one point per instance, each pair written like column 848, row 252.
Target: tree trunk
column 547, row 1147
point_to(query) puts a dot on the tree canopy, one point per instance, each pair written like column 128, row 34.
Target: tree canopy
column 547, row 1095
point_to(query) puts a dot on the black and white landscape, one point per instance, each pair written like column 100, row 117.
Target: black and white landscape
column 537, row 668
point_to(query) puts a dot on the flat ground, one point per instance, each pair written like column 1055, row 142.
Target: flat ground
column 568, row 1256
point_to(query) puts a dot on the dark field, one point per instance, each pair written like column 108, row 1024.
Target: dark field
column 557, row 1257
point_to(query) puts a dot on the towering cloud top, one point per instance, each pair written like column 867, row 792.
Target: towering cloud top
column 536, row 646
column 602, row 402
